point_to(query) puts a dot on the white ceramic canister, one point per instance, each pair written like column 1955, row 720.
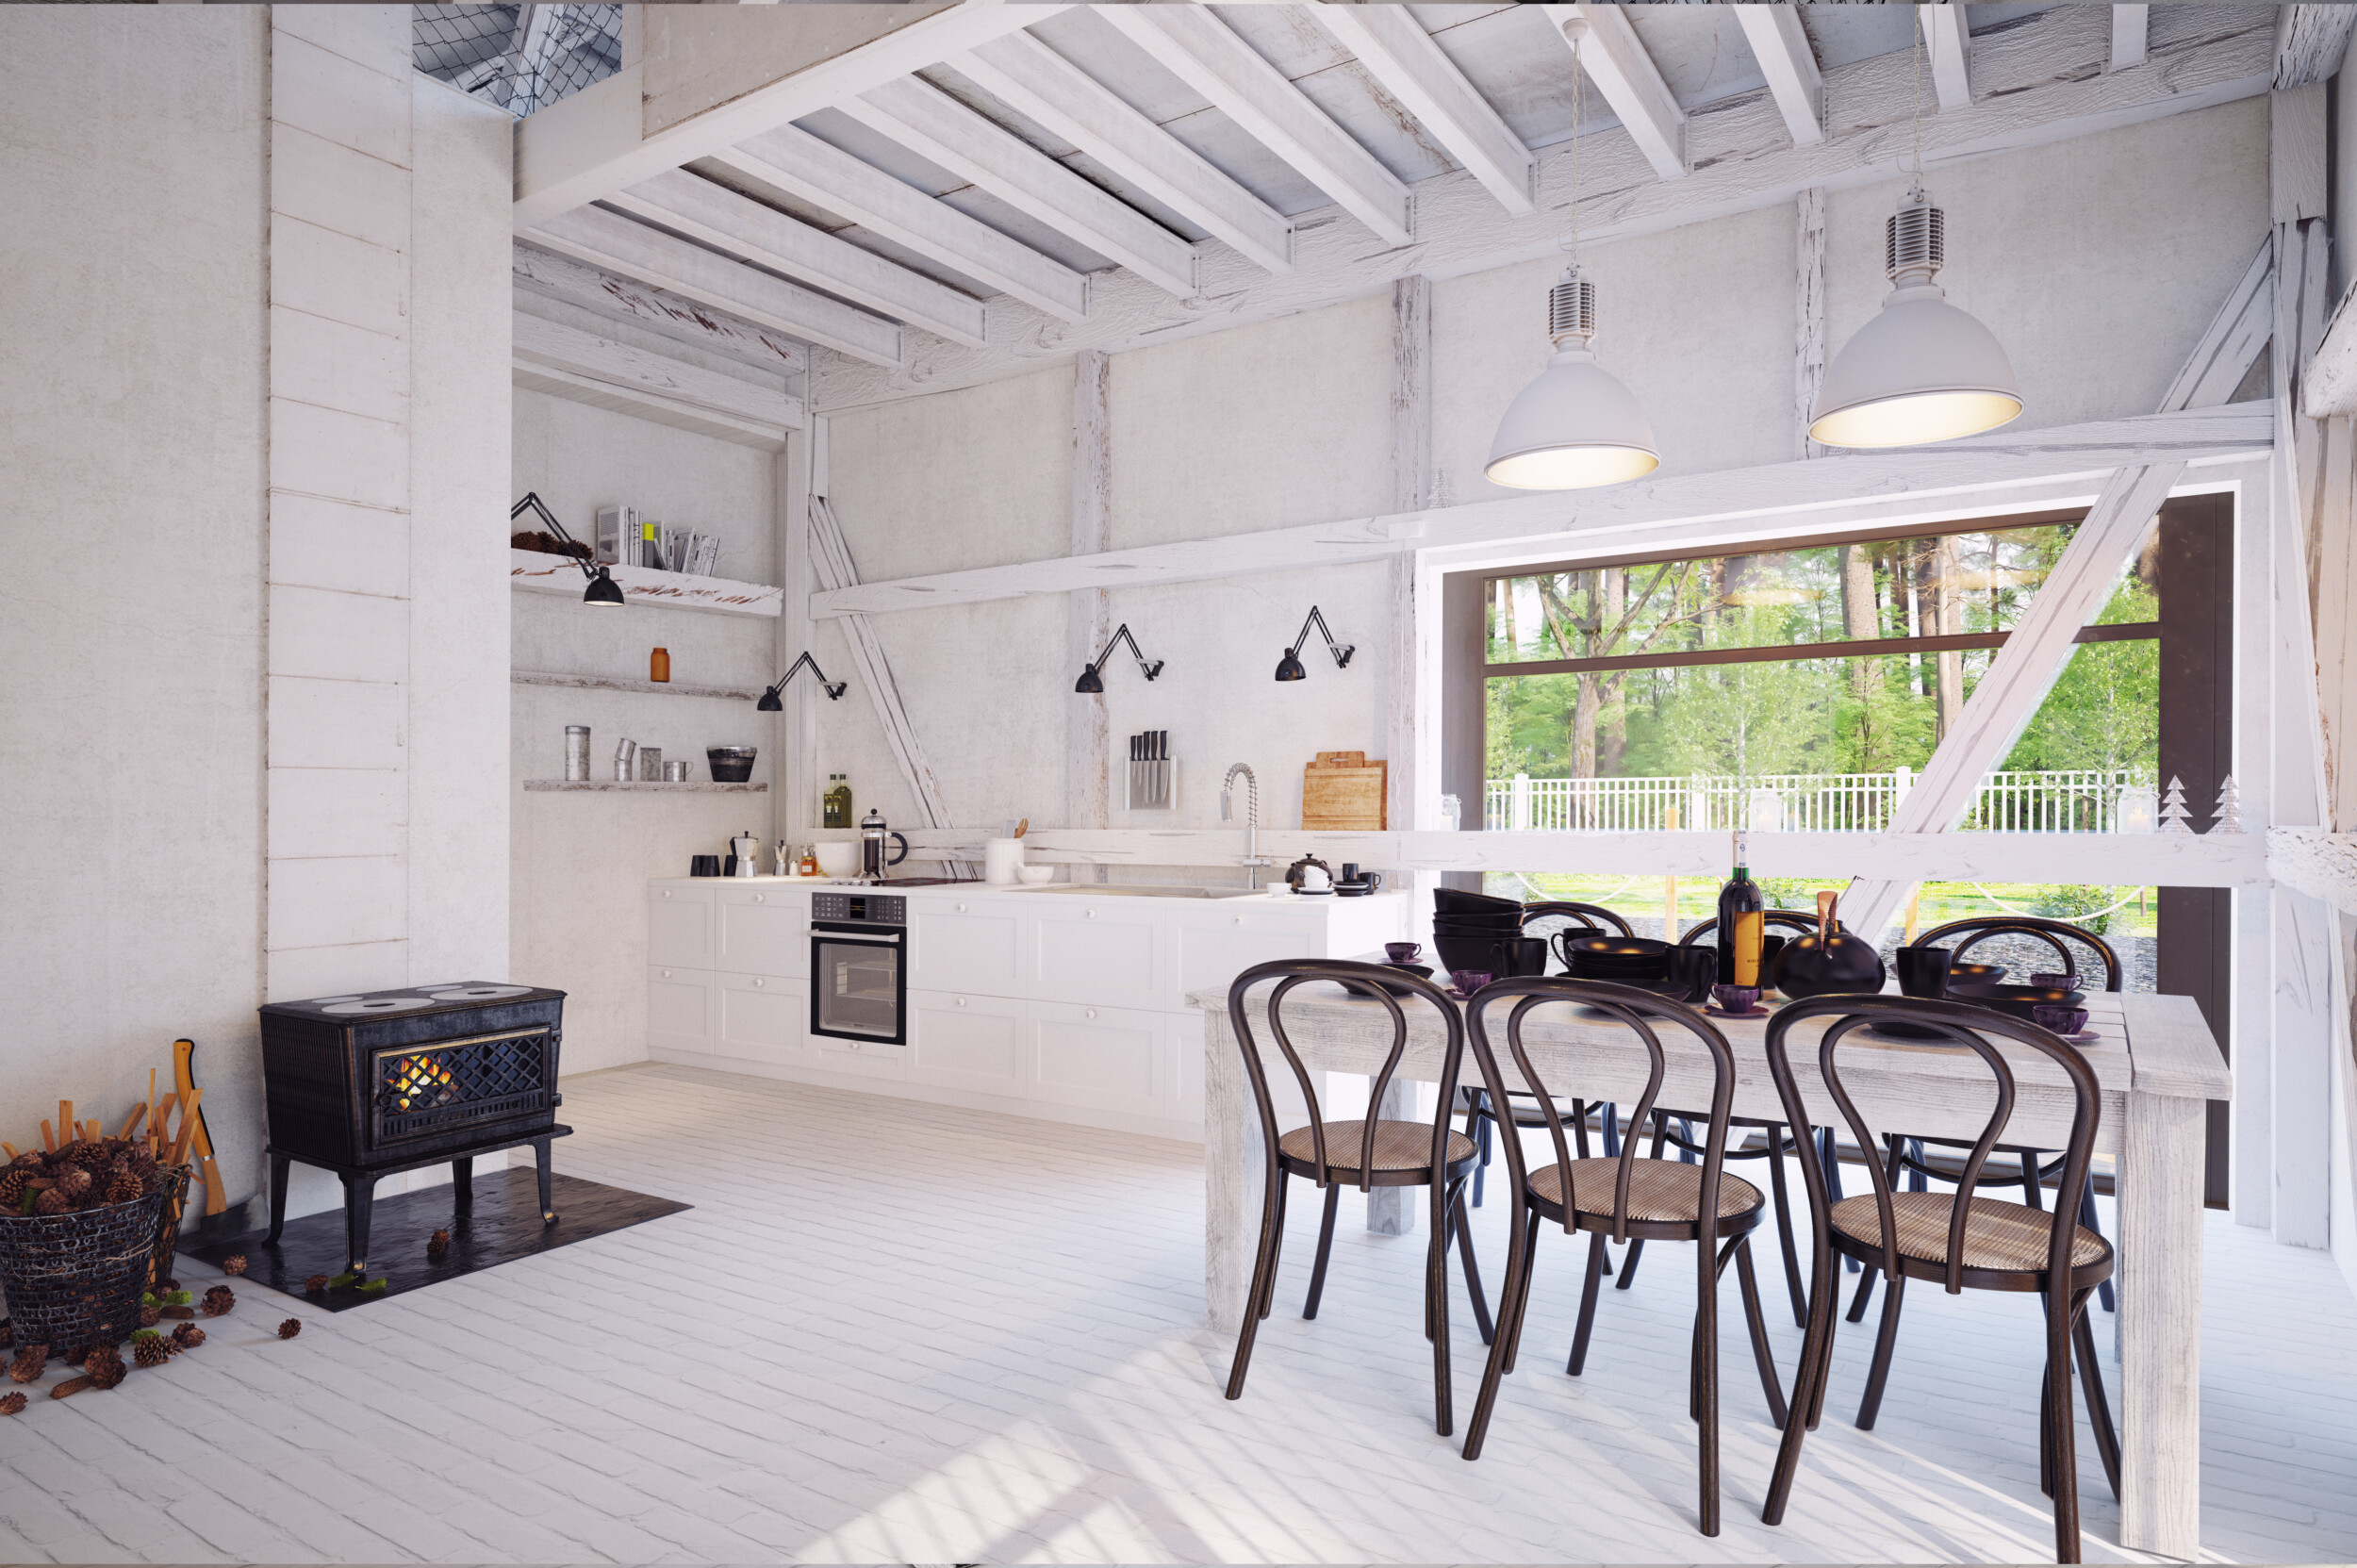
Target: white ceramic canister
column 1002, row 858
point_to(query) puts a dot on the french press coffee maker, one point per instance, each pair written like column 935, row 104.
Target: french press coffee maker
column 872, row 834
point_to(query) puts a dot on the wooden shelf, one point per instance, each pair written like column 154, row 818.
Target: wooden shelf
column 651, row 785
column 617, row 682
column 536, row 572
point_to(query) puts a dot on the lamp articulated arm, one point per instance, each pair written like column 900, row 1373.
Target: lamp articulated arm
column 602, row 588
column 833, row 689
column 1289, row 667
column 1092, row 679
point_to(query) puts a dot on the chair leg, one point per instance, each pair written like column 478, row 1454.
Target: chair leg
column 1808, row 1380
column 1884, row 1339
column 2033, row 1190
column 1263, row 1271
column 1756, row 1322
column 1628, row 1265
column 1325, row 1248
column 1865, row 1293
column 1829, row 1157
column 1706, row 1379
column 1784, row 1226
column 1477, row 1129
column 1513, row 1296
column 2058, row 1420
column 1275, row 1249
column 1612, row 1123
column 2087, row 1217
column 1472, row 1269
column 1588, row 1301
column 2099, row 1405
column 1530, row 1249
column 1436, row 1315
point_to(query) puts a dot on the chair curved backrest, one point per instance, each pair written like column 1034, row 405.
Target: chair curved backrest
column 1636, row 1011
column 1982, row 929
column 1372, row 980
column 1960, row 1026
column 1791, row 919
column 1592, row 916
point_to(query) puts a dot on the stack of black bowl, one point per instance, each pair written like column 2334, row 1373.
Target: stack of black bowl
column 1467, row 928
column 1624, row 959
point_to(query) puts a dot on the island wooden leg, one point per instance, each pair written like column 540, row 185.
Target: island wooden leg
column 1391, row 1210
column 1231, row 1177
column 2160, row 1326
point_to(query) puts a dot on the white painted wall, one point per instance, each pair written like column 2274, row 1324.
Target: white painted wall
column 580, row 862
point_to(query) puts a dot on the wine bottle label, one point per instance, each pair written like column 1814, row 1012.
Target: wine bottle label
column 1750, row 927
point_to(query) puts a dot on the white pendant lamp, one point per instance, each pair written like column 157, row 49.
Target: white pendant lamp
column 1922, row 370
column 1576, row 425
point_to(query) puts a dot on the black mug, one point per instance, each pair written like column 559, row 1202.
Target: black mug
column 1924, row 971
column 704, row 866
column 1695, row 968
column 1518, row 955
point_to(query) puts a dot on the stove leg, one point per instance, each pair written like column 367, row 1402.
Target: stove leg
column 462, row 1182
column 540, row 1159
column 359, row 1201
column 278, row 1163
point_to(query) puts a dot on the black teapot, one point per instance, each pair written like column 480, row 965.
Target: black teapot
column 1828, row 961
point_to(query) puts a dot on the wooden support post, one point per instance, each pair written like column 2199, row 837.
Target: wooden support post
column 1808, row 326
column 1088, row 619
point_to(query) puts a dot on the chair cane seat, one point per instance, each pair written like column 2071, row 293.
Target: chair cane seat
column 1659, row 1191
column 1398, row 1146
column 1998, row 1237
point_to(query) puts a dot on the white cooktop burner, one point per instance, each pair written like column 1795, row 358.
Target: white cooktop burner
column 415, row 998
column 379, row 1004
column 480, row 993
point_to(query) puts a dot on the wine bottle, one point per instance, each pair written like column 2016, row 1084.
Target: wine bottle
column 1742, row 924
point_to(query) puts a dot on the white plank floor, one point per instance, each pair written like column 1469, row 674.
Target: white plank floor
column 892, row 1333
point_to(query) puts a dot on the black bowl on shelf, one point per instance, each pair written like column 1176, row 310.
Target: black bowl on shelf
column 731, row 764
column 2022, row 1001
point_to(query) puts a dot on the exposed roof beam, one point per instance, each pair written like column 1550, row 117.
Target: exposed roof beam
column 1401, row 55
column 1948, row 41
column 594, row 143
column 2310, row 42
column 1615, row 59
column 674, row 316
column 1045, row 88
column 2127, row 35
column 2042, row 81
column 1781, row 45
column 798, row 162
column 935, row 126
column 763, row 235
column 566, row 362
column 615, row 244
column 1193, row 45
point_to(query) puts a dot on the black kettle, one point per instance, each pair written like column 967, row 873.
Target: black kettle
column 1828, row 961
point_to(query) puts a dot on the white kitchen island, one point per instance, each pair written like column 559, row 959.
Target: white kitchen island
column 1065, row 1002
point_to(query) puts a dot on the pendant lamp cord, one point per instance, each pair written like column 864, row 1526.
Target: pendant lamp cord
column 1917, row 12
column 1579, row 126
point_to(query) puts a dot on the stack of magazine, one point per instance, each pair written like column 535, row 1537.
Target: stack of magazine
column 627, row 539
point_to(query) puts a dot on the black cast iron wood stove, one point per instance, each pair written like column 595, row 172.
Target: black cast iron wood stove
column 371, row 1085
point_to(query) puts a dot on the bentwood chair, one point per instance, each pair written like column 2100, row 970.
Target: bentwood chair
column 2036, row 1170
column 1366, row 1153
column 1964, row 1241
column 1625, row 1198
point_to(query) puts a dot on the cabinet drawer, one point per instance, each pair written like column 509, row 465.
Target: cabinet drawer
column 1212, row 952
column 1102, row 953
column 679, row 1008
column 975, row 1041
column 1113, row 1057
column 761, row 933
column 679, row 927
column 761, row 1017
column 955, row 945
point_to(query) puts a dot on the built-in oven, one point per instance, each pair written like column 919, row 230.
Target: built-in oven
column 859, row 971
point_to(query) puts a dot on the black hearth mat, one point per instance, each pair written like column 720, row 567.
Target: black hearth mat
column 502, row 1226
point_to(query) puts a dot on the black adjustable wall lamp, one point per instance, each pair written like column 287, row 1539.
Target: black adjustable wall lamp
column 1090, row 681
column 1289, row 667
column 833, row 689
column 602, row 589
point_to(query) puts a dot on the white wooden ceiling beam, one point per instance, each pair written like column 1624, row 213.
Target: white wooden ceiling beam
column 1195, row 46
column 1760, row 503
column 638, row 401
column 2128, row 37
column 797, row 162
column 1615, row 59
column 743, row 227
column 681, row 320
column 616, row 245
column 2042, row 81
column 631, row 370
column 1948, row 45
column 2311, row 42
column 594, row 143
column 1053, row 94
column 2231, row 344
column 1781, row 45
column 935, row 126
column 1396, row 51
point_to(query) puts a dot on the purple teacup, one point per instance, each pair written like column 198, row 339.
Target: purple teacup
column 1401, row 952
column 2055, row 982
column 1469, row 981
column 2065, row 1021
column 1735, row 1000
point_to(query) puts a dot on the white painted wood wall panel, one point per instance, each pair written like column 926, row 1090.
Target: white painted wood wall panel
column 335, row 544
column 337, row 365
column 338, row 99
column 332, row 274
column 328, row 184
column 335, row 725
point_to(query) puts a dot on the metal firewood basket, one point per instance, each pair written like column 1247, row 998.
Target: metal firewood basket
column 73, row 1281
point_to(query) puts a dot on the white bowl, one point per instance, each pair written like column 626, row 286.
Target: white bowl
column 838, row 858
column 1034, row 875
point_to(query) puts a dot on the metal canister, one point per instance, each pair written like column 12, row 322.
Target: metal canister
column 625, row 761
column 675, row 772
column 577, row 752
column 651, row 763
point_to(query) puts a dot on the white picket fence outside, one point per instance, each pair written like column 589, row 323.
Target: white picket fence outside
column 2062, row 801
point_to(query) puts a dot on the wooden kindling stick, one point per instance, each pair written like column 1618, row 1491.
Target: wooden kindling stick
column 187, row 1126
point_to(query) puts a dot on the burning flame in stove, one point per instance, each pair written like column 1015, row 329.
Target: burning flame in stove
column 419, row 1081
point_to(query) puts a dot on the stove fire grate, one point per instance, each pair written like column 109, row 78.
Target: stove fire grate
column 454, row 1083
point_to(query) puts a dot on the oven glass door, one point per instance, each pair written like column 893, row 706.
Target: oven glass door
column 858, row 985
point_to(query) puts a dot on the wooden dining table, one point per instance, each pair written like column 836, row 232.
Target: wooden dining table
column 2156, row 1065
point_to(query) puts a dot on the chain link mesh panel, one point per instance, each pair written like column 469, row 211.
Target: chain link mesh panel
column 521, row 57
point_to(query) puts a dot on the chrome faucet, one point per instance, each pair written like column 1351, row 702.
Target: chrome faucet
column 1253, row 859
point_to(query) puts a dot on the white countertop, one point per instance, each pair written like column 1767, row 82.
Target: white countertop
column 969, row 889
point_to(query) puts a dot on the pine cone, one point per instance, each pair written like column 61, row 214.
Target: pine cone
column 438, row 1244
column 29, row 1362
column 234, row 1263
column 125, row 1188
column 102, row 1356
column 107, row 1374
column 12, row 1189
column 290, row 1329
column 28, row 1160
column 316, row 1283
column 74, row 1183
column 150, row 1316
column 219, row 1300
column 152, row 1351
column 188, row 1336
column 12, row 1404
column 53, row 1201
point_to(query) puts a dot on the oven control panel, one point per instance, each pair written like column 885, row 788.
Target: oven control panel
column 880, row 909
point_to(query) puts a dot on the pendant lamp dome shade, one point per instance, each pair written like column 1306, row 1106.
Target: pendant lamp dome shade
column 1576, row 425
column 1921, row 370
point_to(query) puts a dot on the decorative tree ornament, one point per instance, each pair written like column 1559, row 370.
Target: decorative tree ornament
column 2227, row 816
column 2173, row 811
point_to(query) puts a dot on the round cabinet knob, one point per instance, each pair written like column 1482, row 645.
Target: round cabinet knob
column 961, row 909
column 960, row 1001
column 1088, row 913
column 853, row 1044
column 1092, row 1013
column 666, row 974
column 761, row 897
column 666, row 892
column 757, row 984
column 1238, row 918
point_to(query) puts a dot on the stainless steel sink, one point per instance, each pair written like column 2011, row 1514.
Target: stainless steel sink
column 1137, row 890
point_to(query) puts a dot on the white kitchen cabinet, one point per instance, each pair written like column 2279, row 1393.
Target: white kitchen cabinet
column 1210, row 947
column 679, row 927
column 1110, row 952
column 970, row 1040
column 763, row 930
column 967, row 944
column 761, row 1017
column 679, row 1008
column 1110, row 1058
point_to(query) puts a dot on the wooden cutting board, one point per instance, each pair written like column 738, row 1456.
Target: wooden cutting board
column 1342, row 792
